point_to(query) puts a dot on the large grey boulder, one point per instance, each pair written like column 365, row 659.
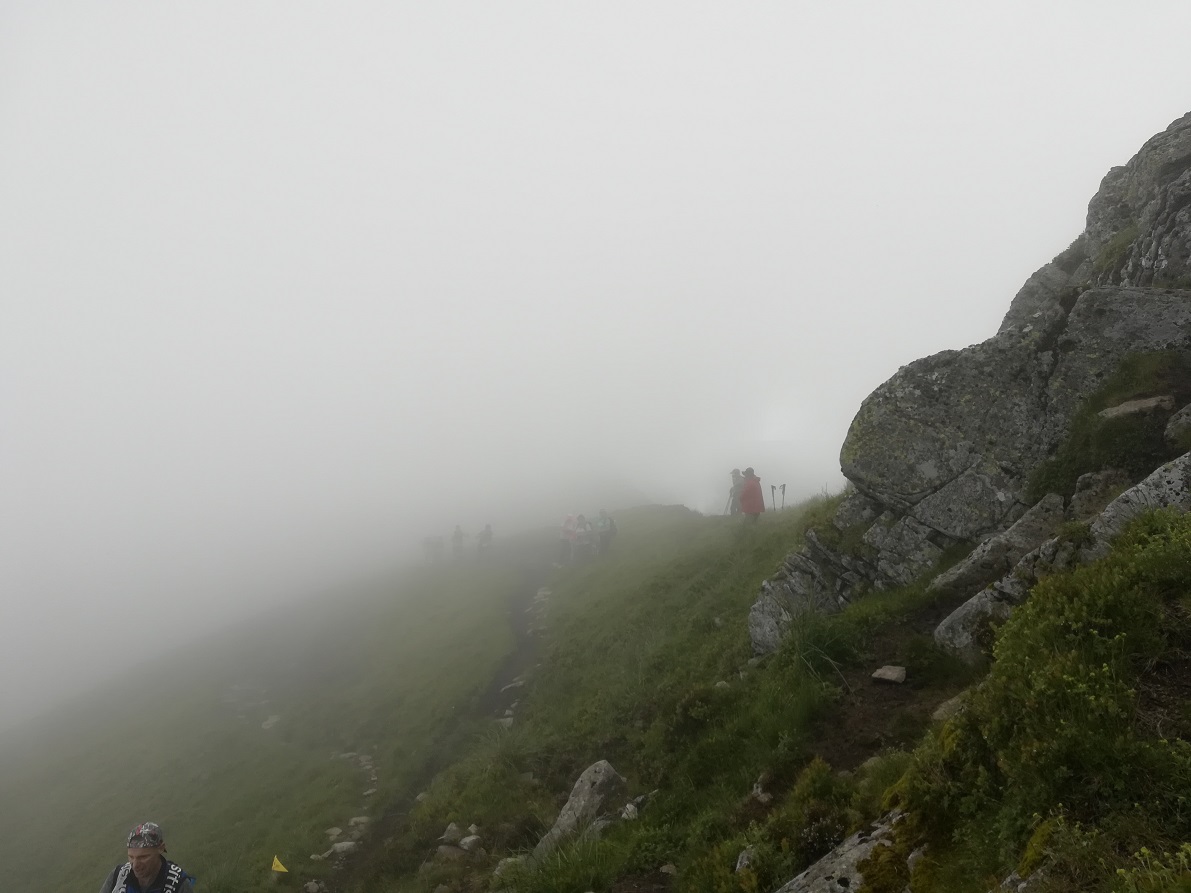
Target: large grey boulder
column 594, row 793
column 837, row 871
column 942, row 453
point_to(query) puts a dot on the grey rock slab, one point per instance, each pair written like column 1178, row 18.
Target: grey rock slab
column 837, row 872
column 1178, row 428
column 994, row 557
column 1167, row 487
column 892, row 674
column 595, row 789
column 1138, row 407
column 950, row 707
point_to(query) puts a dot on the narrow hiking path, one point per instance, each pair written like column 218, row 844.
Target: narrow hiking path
column 500, row 695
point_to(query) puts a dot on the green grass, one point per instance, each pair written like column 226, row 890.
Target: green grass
column 1134, row 443
column 386, row 673
column 1047, row 762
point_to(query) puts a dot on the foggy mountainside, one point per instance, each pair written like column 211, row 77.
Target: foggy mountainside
column 971, row 668
column 458, row 448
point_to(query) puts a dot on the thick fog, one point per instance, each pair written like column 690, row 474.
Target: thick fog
column 286, row 287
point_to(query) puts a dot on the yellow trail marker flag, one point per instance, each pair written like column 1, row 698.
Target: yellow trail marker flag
column 277, row 866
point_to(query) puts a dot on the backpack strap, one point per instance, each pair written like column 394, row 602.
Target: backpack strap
column 121, row 884
column 174, row 878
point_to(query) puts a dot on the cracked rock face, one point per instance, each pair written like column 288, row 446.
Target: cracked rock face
column 950, row 440
column 941, row 453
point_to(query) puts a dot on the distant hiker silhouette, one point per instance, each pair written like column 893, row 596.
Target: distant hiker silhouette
column 752, row 499
column 457, row 543
column 733, row 506
column 605, row 530
column 484, row 541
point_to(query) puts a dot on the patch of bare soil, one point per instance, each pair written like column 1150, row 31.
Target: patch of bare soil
column 654, row 882
column 873, row 715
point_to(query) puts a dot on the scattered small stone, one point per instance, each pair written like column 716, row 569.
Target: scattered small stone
column 370, row 792
column 313, row 887
column 450, row 853
column 628, row 812
column 506, row 721
column 471, row 843
column 890, row 674
column 333, row 833
column 722, row 685
column 452, row 834
column 950, row 707
column 341, row 848
column 669, row 869
column 422, row 796
column 473, row 829
column 359, row 820
column 517, row 683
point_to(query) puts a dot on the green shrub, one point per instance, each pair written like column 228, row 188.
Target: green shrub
column 1115, row 250
column 1053, row 729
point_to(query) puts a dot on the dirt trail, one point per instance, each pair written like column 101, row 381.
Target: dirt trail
column 369, row 861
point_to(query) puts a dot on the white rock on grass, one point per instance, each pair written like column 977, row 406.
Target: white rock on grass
column 890, row 674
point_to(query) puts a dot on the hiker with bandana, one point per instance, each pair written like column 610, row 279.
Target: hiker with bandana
column 147, row 869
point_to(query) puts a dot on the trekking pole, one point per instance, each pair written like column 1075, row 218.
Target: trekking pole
column 773, row 496
column 783, row 496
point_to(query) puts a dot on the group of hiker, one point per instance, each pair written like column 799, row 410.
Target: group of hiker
column 746, row 496
column 580, row 538
column 435, row 546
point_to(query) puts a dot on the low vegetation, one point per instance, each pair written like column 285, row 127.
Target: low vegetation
column 1132, row 443
column 1069, row 759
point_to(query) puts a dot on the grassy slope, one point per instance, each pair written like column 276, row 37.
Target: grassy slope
column 633, row 652
column 386, row 672
column 626, row 670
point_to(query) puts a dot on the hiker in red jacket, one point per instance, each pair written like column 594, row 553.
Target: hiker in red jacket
column 752, row 500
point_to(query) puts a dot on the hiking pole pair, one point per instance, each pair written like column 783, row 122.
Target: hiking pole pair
column 773, row 496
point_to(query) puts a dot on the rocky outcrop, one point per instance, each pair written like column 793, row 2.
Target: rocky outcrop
column 1178, row 429
column 996, row 555
column 1167, row 488
column 837, row 870
column 942, row 452
column 594, row 793
column 963, row 631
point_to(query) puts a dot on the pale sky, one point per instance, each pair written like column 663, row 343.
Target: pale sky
column 286, row 286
